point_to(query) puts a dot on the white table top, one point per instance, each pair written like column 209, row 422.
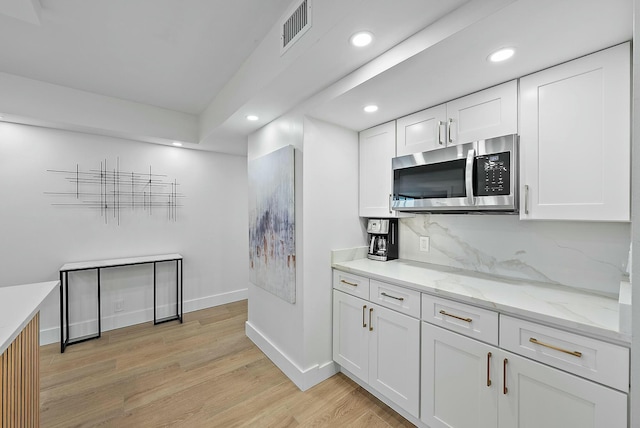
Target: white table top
column 18, row 305
column 557, row 305
column 118, row 262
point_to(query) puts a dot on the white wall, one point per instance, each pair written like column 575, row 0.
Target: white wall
column 276, row 321
column 585, row 255
column 37, row 237
column 297, row 337
column 330, row 207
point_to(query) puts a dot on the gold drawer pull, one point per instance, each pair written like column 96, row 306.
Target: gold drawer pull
column 364, row 307
column 505, row 390
column 393, row 297
column 370, row 323
column 456, row 317
column 348, row 283
column 537, row 342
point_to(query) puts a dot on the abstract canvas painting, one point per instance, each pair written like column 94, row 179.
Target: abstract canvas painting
column 272, row 252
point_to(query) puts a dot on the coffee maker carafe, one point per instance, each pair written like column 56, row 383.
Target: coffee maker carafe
column 382, row 239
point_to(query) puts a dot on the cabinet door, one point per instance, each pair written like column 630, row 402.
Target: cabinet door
column 394, row 357
column 377, row 148
column 575, row 139
column 351, row 334
column 459, row 381
column 490, row 113
column 541, row 396
column 421, row 131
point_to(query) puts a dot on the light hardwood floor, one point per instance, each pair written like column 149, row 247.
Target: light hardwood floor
column 203, row 373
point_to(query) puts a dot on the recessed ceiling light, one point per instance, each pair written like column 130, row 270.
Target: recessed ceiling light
column 371, row 108
column 177, row 143
column 252, row 117
column 501, row 55
column 361, row 39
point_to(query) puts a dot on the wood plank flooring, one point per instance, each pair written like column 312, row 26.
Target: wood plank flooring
column 203, row 373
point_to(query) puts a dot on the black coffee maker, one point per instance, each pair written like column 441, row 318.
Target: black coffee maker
column 382, row 239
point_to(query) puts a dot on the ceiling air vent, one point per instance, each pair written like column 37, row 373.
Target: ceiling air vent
column 295, row 25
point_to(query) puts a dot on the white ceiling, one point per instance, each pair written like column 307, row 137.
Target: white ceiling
column 219, row 60
column 544, row 33
column 175, row 54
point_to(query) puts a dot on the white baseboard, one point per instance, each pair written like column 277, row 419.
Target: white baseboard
column 215, row 300
column 125, row 319
column 302, row 378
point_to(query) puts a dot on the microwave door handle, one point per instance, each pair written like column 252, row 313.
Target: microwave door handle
column 468, row 176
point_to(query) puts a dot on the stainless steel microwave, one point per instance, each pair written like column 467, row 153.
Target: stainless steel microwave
column 476, row 177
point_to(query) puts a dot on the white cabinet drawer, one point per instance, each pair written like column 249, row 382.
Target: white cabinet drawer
column 478, row 323
column 590, row 358
column 398, row 298
column 353, row 284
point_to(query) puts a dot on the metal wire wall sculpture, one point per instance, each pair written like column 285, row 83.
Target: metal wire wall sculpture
column 112, row 191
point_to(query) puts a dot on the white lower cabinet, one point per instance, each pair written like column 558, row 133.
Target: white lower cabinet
column 459, row 382
column 540, row 396
column 467, row 383
column 380, row 346
column 451, row 368
column 351, row 334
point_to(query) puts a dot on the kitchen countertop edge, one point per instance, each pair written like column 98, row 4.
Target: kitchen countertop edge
column 359, row 267
column 18, row 305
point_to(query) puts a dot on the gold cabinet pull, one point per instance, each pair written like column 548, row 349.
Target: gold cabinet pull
column 456, row 317
column 364, row 323
column 348, row 283
column 546, row 345
column 370, row 324
column 504, row 376
column 488, row 369
column 393, row 297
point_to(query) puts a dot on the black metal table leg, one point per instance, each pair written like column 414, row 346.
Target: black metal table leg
column 66, row 302
column 99, row 307
column 61, row 315
column 155, row 318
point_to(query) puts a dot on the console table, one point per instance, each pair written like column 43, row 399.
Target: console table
column 98, row 265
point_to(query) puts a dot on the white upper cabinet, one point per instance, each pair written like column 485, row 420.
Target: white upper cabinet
column 575, row 139
column 377, row 148
column 422, row 131
column 485, row 114
column 490, row 113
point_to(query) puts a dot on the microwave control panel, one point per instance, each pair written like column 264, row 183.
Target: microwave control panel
column 493, row 174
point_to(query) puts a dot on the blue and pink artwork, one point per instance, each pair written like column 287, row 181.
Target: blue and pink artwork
column 272, row 250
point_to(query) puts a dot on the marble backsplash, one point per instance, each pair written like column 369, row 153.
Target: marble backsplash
column 585, row 255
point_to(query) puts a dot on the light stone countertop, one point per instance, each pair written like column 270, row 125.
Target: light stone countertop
column 18, row 305
column 556, row 305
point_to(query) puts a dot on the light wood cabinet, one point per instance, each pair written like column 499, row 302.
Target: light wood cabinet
column 575, row 139
column 379, row 346
column 490, row 113
column 377, row 148
column 20, row 379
